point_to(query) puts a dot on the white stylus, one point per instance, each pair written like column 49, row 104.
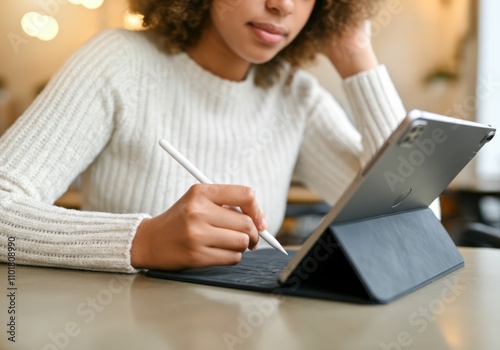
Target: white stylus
column 204, row 180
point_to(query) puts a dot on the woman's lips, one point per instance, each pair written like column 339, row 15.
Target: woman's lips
column 268, row 33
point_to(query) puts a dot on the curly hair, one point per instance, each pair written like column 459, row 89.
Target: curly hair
column 180, row 22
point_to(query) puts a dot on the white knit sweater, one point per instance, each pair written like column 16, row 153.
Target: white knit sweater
column 103, row 113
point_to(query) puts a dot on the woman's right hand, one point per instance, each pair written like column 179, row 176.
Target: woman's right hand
column 200, row 230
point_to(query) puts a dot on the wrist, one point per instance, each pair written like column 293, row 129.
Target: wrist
column 138, row 251
column 350, row 64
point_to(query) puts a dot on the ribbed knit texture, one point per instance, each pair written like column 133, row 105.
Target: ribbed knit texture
column 103, row 113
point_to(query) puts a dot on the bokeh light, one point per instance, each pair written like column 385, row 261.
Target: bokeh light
column 133, row 21
column 90, row 4
column 39, row 26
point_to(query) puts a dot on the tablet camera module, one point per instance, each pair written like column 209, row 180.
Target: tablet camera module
column 414, row 132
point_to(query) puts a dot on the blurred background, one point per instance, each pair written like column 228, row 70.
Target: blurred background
column 442, row 55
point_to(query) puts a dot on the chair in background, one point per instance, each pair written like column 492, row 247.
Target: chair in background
column 479, row 235
column 481, row 210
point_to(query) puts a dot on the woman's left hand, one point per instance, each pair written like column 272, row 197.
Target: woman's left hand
column 352, row 51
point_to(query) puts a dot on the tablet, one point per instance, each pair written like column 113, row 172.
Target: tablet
column 412, row 168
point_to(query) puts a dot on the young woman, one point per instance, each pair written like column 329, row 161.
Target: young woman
column 220, row 80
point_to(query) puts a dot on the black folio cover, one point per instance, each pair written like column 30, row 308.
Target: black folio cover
column 396, row 254
column 374, row 260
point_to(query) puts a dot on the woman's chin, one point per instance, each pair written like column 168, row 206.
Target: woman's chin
column 261, row 58
column 256, row 53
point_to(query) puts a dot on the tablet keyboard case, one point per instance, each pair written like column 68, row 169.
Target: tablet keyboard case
column 380, row 259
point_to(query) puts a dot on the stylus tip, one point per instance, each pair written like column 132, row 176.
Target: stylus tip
column 281, row 249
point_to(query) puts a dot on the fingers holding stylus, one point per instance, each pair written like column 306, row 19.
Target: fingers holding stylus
column 236, row 222
column 199, row 230
column 240, row 198
column 228, row 240
column 235, row 208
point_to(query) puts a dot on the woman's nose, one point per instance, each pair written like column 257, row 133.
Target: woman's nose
column 281, row 7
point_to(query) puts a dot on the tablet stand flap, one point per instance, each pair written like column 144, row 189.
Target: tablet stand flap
column 395, row 254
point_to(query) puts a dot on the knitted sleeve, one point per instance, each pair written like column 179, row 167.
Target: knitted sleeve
column 334, row 146
column 56, row 139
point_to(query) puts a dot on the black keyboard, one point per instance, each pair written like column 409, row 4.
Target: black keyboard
column 253, row 270
column 258, row 270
